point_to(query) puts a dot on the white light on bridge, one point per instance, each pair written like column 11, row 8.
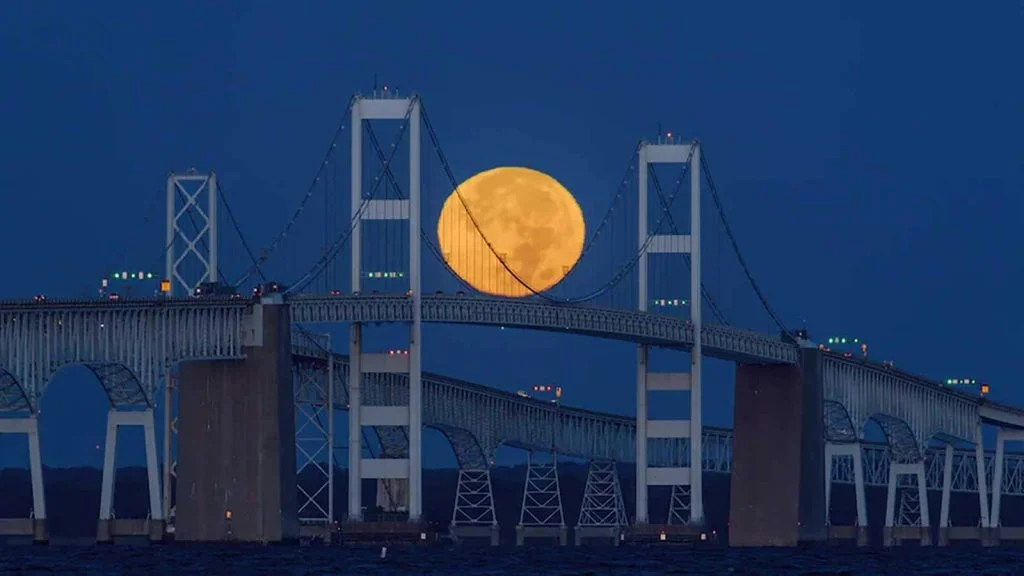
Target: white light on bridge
column 669, row 302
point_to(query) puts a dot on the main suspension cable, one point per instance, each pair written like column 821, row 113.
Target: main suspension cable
column 343, row 237
column 265, row 254
column 454, row 183
column 736, row 247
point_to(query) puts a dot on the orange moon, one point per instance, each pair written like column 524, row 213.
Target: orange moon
column 530, row 220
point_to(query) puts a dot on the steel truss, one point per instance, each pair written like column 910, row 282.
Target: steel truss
column 199, row 238
column 474, row 499
column 724, row 342
column 679, row 505
column 314, row 440
column 542, row 497
column 910, row 508
column 603, row 504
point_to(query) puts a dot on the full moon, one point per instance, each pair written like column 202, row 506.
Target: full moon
column 529, row 219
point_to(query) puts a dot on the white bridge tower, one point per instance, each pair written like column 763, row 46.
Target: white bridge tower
column 393, row 470
column 190, row 258
column 670, row 152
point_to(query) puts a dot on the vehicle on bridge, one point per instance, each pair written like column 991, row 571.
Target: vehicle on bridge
column 215, row 289
column 266, row 288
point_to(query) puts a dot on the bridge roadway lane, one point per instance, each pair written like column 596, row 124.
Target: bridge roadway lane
column 725, row 342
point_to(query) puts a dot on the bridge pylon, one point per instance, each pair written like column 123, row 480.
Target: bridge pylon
column 189, row 236
column 685, row 473
column 854, row 452
column 411, row 416
column 541, row 515
column 603, row 512
column 108, row 526
column 190, row 258
column 36, row 524
column 912, row 521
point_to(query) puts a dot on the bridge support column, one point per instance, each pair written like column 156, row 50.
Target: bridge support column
column 677, row 476
column 242, row 486
column 985, row 523
column 36, row 525
column 410, row 469
column 947, row 486
column 108, row 526
column 913, row 516
column 860, row 528
column 603, row 512
column 1000, row 532
column 541, row 514
column 473, row 514
column 681, row 244
column 778, row 483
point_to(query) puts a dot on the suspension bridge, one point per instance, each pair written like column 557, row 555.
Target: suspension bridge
column 253, row 369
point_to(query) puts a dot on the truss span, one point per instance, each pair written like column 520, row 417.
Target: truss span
column 494, row 418
column 719, row 341
column 926, row 409
column 613, row 433
column 128, row 346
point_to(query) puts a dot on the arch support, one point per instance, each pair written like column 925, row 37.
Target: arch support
column 122, row 386
column 13, row 397
column 108, row 526
column 36, row 525
column 839, row 426
column 903, row 447
column 468, row 452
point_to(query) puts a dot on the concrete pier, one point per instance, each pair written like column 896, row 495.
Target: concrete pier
column 461, row 533
column 778, row 482
column 597, row 534
column 859, row 533
column 236, row 448
column 39, row 530
column 549, row 533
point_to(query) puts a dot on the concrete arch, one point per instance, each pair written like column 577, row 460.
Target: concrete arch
column 839, row 426
column 903, row 445
column 13, row 397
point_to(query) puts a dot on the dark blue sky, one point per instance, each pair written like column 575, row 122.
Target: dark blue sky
column 868, row 155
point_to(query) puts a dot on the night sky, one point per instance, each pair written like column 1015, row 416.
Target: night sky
column 868, row 155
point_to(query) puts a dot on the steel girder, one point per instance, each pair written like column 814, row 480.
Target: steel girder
column 13, row 397
column 467, row 450
column 839, row 427
column 643, row 327
column 121, row 385
column 144, row 338
column 717, row 441
column 494, row 418
column 927, row 409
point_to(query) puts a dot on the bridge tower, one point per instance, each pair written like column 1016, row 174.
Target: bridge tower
column 394, row 470
column 670, row 152
column 196, row 237
column 190, row 258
